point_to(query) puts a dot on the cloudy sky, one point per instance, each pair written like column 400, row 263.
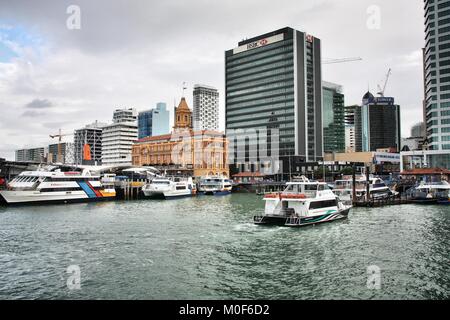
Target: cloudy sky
column 131, row 53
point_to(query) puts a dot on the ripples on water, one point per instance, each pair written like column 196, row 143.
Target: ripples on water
column 208, row 248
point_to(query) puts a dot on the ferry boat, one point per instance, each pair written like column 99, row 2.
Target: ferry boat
column 167, row 188
column 302, row 203
column 51, row 185
column 432, row 192
column 377, row 188
column 215, row 186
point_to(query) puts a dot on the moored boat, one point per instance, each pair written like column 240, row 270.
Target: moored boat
column 215, row 186
column 55, row 186
column 431, row 193
column 168, row 188
column 377, row 188
column 302, row 203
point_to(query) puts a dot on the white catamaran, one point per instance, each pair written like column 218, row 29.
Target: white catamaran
column 54, row 186
column 302, row 203
column 167, row 188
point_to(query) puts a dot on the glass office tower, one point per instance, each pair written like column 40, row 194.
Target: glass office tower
column 273, row 81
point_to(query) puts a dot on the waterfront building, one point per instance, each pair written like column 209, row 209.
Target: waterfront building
column 377, row 124
column 118, row 137
column 67, row 153
column 31, row 155
column 437, row 74
column 154, row 122
column 206, row 108
column 349, row 120
column 380, row 161
column 273, row 83
column 184, row 151
column 424, row 159
column 333, row 116
column 90, row 135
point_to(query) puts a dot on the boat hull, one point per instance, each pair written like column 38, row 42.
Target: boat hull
column 166, row 195
column 301, row 222
column 216, row 193
column 14, row 198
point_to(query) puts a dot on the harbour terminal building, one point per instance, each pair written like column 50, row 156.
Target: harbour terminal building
column 184, row 151
column 273, row 85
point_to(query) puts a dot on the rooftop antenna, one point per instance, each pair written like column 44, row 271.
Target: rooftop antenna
column 184, row 88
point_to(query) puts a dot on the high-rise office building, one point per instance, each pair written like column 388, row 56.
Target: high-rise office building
column 377, row 124
column 333, row 118
column 89, row 135
column 31, row 155
column 349, row 120
column 118, row 138
column 437, row 74
column 206, row 108
column 273, row 81
column 154, row 122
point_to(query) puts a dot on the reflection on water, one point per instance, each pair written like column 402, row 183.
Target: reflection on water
column 208, row 248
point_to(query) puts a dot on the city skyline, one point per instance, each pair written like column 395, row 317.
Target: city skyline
column 44, row 66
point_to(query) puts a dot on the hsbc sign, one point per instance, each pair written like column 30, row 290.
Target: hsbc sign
column 259, row 43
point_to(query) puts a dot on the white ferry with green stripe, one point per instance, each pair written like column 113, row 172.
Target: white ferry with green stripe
column 55, row 186
column 302, row 203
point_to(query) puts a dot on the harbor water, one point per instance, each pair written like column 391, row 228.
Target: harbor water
column 208, row 248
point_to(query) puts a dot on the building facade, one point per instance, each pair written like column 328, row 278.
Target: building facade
column 154, row 122
column 184, row 151
column 206, row 108
column 377, row 124
column 67, row 153
column 118, row 137
column 333, row 116
column 437, row 74
column 90, row 135
column 37, row 155
column 273, row 82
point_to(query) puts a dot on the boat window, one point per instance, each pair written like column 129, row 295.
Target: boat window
column 181, row 187
column 292, row 188
column 321, row 187
column 310, row 187
column 160, row 182
column 322, row 204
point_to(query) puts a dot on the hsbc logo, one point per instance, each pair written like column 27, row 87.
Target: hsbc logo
column 259, row 43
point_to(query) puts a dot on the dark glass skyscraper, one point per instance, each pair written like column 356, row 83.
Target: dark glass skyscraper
column 377, row 124
column 273, row 81
column 333, row 118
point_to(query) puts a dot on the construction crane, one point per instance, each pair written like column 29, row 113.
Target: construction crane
column 332, row 61
column 59, row 136
column 380, row 90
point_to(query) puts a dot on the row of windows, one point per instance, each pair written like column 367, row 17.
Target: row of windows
column 262, row 121
column 260, row 102
column 274, row 115
column 272, row 107
column 249, row 65
column 261, row 88
column 262, row 94
column 248, row 84
column 280, row 71
column 272, row 66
